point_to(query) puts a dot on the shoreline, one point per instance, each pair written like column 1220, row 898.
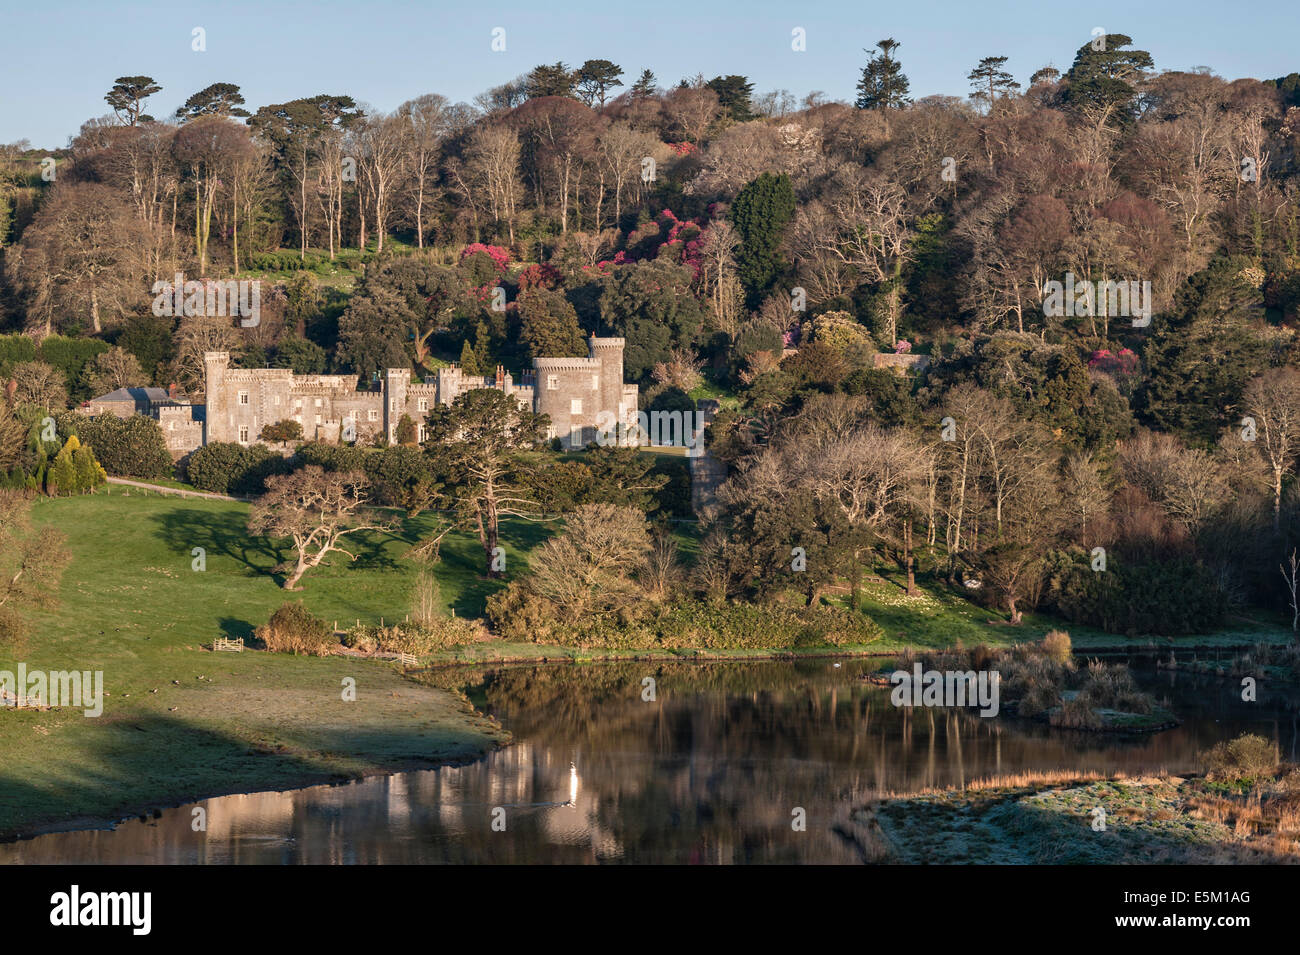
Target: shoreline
column 575, row 655
column 93, row 823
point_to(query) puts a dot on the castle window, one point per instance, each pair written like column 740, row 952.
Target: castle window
column 394, row 405
column 277, row 399
column 317, row 402
column 552, row 382
column 423, row 404
column 243, row 397
column 171, row 425
column 318, row 419
column 595, row 382
column 575, row 406
column 372, row 415
column 419, row 433
column 243, row 434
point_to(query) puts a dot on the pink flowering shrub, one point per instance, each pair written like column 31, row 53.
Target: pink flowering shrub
column 500, row 257
column 1122, row 362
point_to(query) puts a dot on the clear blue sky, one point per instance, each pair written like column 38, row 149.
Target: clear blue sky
column 59, row 57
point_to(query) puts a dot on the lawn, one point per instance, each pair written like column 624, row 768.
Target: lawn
column 180, row 722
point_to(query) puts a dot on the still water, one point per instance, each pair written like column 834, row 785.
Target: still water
column 708, row 772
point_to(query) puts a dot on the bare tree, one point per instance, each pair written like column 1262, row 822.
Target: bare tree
column 39, row 384
column 383, row 162
column 1273, row 401
column 82, row 255
column 866, row 228
column 115, row 368
column 316, row 509
column 1291, row 574
column 426, row 125
column 490, row 178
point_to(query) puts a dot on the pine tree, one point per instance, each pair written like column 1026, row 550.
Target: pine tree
column 990, row 82
column 734, row 96
column 549, row 79
column 594, row 80
column 883, row 85
column 646, row 85
column 1104, row 77
column 469, row 360
column 483, row 348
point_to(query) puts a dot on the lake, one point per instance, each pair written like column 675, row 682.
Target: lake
column 712, row 770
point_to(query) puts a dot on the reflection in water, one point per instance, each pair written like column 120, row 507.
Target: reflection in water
column 709, row 772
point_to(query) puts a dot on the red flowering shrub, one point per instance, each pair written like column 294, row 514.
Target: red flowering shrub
column 540, row 276
column 1122, row 362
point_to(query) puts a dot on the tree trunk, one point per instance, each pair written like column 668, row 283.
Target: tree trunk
column 1277, row 497
column 291, row 583
column 907, row 555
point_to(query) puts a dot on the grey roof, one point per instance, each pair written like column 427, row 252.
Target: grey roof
column 136, row 395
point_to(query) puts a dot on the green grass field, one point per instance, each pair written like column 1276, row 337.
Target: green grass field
column 181, row 722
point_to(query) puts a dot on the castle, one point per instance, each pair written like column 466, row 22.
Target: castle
column 573, row 392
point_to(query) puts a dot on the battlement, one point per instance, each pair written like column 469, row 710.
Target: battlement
column 572, row 392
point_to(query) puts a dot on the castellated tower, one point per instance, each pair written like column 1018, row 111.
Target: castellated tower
column 397, row 382
column 609, row 352
column 216, row 427
column 574, row 391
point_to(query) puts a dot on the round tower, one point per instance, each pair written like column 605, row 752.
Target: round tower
column 216, row 425
column 609, row 352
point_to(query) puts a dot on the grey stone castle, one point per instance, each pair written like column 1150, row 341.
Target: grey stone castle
column 578, row 394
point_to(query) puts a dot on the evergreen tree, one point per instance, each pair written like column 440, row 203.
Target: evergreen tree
column 645, row 85
column 469, row 360
column 549, row 79
column 1199, row 357
column 549, row 325
column 1105, row 77
column 734, row 96
column 219, row 99
column 89, row 473
column 595, row 78
column 483, row 348
column 128, row 95
column 61, row 478
column 989, row 82
column 883, row 84
column 760, row 214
